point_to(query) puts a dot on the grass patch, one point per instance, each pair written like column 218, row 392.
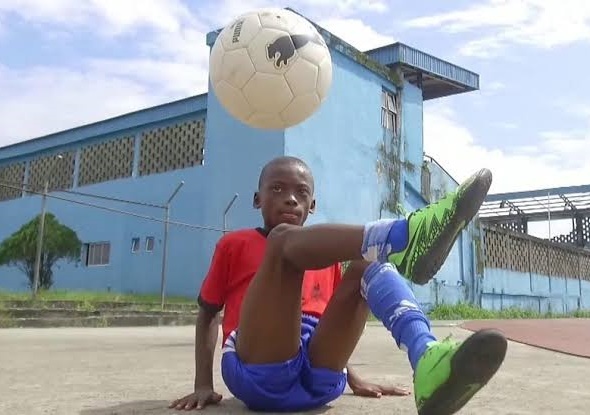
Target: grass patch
column 463, row 311
column 89, row 297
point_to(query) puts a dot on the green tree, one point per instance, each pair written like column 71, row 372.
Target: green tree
column 59, row 242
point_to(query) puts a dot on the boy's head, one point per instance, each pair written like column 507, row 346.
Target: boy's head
column 285, row 192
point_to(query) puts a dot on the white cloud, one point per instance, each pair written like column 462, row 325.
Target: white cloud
column 223, row 11
column 108, row 17
column 167, row 59
column 348, row 6
column 581, row 110
column 558, row 159
column 170, row 62
column 356, row 32
column 538, row 23
column 335, row 16
column 495, row 86
column 102, row 89
column 41, row 100
column 506, row 125
column 494, row 13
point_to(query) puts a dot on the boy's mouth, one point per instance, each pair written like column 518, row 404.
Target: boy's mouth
column 289, row 216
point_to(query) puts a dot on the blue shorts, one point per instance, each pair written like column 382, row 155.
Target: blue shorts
column 291, row 386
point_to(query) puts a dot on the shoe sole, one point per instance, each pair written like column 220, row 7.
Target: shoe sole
column 468, row 205
column 473, row 365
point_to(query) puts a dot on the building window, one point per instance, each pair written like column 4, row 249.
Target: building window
column 149, row 244
column 388, row 111
column 135, row 244
column 98, row 253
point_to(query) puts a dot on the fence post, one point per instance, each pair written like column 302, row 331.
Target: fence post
column 579, row 281
column 530, row 266
column 480, row 260
column 507, row 251
column 549, row 269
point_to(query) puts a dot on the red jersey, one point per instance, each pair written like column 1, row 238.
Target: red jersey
column 236, row 259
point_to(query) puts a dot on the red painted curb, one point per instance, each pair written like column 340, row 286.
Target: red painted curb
column 567, row 336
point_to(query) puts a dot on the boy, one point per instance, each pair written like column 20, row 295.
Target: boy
column 291, row 322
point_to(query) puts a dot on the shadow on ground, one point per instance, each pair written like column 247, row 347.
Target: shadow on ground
column 227, row 406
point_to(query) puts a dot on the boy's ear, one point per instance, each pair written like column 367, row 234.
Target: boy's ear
column 256, row 201
column 312, row 207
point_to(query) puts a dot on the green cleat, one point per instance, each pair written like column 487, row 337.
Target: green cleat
column 450, row 373
column 434, row 229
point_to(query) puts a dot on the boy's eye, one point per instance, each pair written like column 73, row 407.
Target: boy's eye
column 276, row 188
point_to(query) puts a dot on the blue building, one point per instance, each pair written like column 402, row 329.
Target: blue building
column 365, row 141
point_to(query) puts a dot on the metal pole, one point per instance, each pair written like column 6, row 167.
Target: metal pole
column 549, row 215
column 227, row 208
column 40, row 240
column 165, row 244
column 548, row 246
column 42, row 229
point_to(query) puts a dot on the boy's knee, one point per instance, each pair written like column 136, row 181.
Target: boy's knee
column 278, row 237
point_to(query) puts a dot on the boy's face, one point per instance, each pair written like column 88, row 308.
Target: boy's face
column 285, row 195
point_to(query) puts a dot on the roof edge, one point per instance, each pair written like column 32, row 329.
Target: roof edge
column 125, row 121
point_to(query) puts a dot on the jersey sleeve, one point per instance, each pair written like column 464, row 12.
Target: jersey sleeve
column 213, row 290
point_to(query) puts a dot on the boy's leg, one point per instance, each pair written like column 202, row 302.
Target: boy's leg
column 269, row 330
column 447, row 374
column 271, row 308
column 342, row 324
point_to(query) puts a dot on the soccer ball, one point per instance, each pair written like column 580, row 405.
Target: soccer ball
column 270, row 69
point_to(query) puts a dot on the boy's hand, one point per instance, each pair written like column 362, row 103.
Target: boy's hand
column 372, row 390
column 199, row 399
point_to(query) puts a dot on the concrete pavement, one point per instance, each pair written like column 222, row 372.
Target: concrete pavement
column 125, row 371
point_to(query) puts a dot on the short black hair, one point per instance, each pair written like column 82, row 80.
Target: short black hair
column 282, row 160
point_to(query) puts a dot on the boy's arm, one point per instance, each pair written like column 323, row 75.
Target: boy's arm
column 211, row 301
column 206, row 333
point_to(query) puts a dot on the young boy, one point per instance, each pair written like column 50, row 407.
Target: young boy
column 291, row 322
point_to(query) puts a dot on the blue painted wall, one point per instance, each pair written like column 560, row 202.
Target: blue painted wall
column 502, row 289
column 340, row 143
column 131, row 122
column 127, row 271
column 234, row 156
column 412, row 145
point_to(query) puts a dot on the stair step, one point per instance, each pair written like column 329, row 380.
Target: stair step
column 97, row 305
column 67, row 312
column 99, row 321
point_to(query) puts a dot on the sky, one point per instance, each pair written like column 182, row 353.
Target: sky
column 64, row 63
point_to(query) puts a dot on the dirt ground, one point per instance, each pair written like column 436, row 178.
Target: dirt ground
column 125, row 371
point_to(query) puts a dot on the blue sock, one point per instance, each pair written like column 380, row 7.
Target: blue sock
column 384, row 237
column 392, row 301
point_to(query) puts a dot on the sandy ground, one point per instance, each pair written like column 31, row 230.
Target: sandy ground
column 126, row 371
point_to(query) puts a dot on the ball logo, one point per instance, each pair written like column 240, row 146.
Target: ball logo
column 237, row 31
column 282, row 50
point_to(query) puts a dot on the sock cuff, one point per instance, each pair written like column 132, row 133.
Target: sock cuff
column 375, row 239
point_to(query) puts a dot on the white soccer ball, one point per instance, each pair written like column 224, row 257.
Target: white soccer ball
column 270, row 68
